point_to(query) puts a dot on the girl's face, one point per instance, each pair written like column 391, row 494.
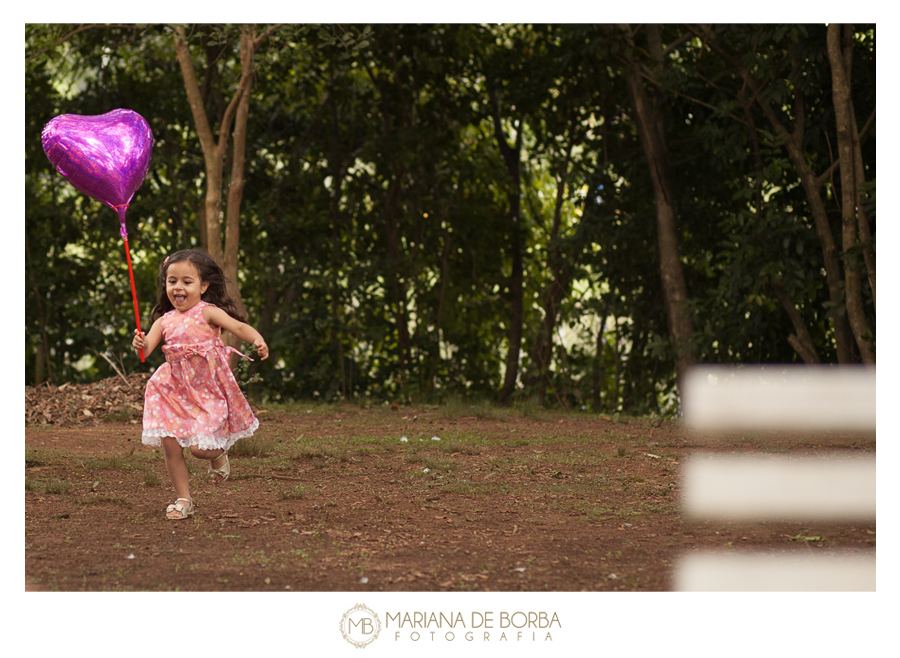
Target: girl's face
column 183, row 285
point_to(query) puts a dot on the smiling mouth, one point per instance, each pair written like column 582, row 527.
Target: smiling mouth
column 179, row 298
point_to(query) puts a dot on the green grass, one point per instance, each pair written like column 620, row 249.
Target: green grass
column 296, row 492
column 255, row 446
column 58, row 487
column 111, row 462
column 55, row 486
column 457, row 407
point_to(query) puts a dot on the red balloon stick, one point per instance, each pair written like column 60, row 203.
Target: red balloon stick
column 137, row 315
column 120, row 209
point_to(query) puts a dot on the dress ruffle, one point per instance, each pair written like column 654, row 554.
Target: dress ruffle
column 154, row 435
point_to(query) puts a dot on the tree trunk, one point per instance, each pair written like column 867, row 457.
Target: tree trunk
column 337, row 182
column 597, row 370
column 793, row 144
column 238, row 156
column 214, row 150
column 843, row 118
column 542, row 352
column 236, row 114
column 651, row 131
column 511, row 156
column 865, row 234
column 439, row 319
column 396, row 284
column 801, row 341
column 42, row 357
column 396, row 287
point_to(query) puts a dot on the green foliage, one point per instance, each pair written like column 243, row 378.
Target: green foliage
column 376, row 246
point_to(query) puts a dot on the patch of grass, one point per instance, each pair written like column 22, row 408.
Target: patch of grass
column 336, row 453
column 320, row 452
column 530, row 407
column 57, row 487
column 599, row 513
column 104, row 463
column 439, row 463
column 296, row 492
column 252, row 558
column 253, row 446
column 662, row 508
column 308, row 407
column 151, row 479
column 461, row 448
column 457, row 407
column 309, row 452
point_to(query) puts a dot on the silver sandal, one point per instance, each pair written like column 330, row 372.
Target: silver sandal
column 181, row 509
column 219, row 475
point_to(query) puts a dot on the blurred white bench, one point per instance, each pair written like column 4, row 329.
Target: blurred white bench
column 834, row 487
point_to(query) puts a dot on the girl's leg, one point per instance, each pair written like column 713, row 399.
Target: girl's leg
column 217, row 455
column 176, row 467
column 217, row 459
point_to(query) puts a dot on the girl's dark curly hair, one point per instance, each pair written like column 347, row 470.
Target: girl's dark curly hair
column 209, row 272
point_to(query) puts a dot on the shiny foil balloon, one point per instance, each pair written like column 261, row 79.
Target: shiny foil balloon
column 105, row 156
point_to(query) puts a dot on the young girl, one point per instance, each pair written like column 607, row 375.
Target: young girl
column 192, row 400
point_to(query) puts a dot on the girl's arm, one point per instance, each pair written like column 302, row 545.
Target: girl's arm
column 149, row 342
column 219, row 318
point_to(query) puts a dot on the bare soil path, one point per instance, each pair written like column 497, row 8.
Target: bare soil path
column 342, row 498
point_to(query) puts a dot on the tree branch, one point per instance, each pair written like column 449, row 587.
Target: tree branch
column 826, row 175
column 672, row 46
column 192, row 88
column 265, row 35
column 650, row 79
column 71, row 34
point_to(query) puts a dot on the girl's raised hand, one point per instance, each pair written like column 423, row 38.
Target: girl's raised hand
column 261, row 348
column 139, row 341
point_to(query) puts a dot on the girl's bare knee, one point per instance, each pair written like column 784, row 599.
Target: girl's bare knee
column 171, row 447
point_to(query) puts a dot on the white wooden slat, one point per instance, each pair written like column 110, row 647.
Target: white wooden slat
column 754, row 487
column 804, row 398
column 747, row 571
column 833, row 487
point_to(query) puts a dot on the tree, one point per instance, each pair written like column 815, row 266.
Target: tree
column 840, row 57
column 793, row 108
column 482, row 211
column 215, row 149
column 648, row 116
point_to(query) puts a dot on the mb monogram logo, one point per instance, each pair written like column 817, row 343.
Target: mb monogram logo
column 360, row 626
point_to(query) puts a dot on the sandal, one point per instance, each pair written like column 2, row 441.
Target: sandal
column 219, row 475
column 183, row 511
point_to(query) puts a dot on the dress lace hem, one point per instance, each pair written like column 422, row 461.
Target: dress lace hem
column 153, row 437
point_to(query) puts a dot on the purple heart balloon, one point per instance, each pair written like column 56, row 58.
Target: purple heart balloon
column 105, row 156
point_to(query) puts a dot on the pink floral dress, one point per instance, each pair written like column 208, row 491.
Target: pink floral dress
column 194, row 396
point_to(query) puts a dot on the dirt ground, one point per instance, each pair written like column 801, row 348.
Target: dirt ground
column 343, row 498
